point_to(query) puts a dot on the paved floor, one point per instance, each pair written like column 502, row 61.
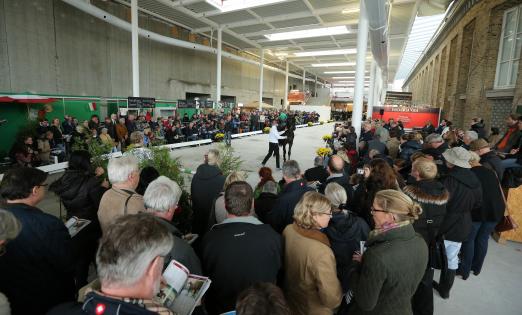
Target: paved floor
column 495, row 291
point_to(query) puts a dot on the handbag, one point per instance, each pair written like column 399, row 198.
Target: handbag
column 437, row 258
column 507, row 223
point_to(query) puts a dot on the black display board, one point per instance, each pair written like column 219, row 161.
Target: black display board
column 207, row 104
column 141, row 102
column 182, row 104
column 186, row 104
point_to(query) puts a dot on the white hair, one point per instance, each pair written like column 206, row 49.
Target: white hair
column 119, row 169
column 472, row 135
column 336, row 194
column 162, row 194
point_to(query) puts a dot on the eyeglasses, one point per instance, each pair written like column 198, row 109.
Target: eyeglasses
column 330, row 213
column 376, row 210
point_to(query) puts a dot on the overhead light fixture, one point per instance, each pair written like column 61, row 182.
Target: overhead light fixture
column 316, row 32
column 352, row 77
column 234, row 5
column 338, row 72
column 350, row 10
column 349, row 51
column 332, row 64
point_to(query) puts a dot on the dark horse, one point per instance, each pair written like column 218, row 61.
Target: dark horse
column 289, row 134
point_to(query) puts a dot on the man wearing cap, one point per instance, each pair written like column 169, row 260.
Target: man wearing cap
column 465, row 193
column 488, row 158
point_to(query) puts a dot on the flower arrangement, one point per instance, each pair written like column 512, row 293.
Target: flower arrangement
column 324, row 152
column 228, row 161
column 310, row 124
column 219, row 136
column 327, row 137
column 266, row 130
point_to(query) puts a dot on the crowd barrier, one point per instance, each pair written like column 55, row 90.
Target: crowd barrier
column 60, row 167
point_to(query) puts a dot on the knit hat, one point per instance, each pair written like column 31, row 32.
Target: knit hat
column 458, row 156
column 478, row 144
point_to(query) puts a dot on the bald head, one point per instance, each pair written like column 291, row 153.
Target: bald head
column 335, row 164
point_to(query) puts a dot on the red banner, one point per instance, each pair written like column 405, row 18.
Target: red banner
column 411, row 118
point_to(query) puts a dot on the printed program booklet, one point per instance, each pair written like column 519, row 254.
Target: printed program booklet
column 182, row 291
column 75, row 225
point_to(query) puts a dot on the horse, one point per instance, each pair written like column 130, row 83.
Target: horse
column 289, row 134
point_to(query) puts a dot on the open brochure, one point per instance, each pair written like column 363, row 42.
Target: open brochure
column 75, row 225
column 182, row 291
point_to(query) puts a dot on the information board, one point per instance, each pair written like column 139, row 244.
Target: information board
column 141, row 102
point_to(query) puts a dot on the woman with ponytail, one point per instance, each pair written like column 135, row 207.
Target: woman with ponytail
column 385, row 277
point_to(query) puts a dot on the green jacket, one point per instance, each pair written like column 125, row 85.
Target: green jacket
column 391, row 269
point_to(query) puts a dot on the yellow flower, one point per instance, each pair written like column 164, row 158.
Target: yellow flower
column 327, row 137
column 266, row 129
column 310, row 124
column 219, row 136
column 324, row 151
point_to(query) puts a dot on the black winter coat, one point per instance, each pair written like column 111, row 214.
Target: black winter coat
column 345, row 232
column 493, row 162
column 37, row 269
column 433, row 198
column 408, row 148
column 465, row 195
column 235, row 256
column 283, row 210
column 492, row 207
column 206, row 184
column 263, row 205
column 344, row 181
column 317, row 173
column 80, row 194
column 479, row 129
column 92, row 300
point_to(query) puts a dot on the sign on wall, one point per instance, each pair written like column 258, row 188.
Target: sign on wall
column 141, row 102
column 411, row 117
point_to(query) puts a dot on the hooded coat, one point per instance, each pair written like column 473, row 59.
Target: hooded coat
column 345, row 232
column 465, row 193
column 206, row 184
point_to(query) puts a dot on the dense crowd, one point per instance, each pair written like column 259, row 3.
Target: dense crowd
column 57, row 139
column 359, row 233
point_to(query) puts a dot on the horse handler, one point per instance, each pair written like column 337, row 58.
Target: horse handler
column 273, row 143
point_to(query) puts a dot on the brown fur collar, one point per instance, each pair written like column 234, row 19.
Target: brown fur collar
column 422, row 196
column 312, row 234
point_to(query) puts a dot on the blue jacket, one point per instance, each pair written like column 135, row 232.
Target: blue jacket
column 37, row 268
column 283, row 211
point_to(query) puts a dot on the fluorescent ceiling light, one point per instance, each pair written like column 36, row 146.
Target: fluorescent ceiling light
column 333, row 64
column 317, row 32
column 234, row 5
column 326, row 52
column 352, row 77
column 338, row 72
column 350, row 10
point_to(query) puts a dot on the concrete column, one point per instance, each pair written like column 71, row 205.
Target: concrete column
column 285, row 101
column 262, row 55
column 218, row 66
column 135, row 50
column 371, row 91
column 304, row 79
column 315, row 86
column 362, row 43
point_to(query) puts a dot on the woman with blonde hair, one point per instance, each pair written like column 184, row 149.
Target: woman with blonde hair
column 311, row 282
column 385, row 276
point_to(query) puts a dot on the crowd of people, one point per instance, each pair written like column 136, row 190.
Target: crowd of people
column 359, row 233
column 56, row 140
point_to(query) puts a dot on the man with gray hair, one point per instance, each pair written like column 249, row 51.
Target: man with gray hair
column 264, row 203
column 316, row 173
column 206, row 184
column 469, row 136
column 121, row 199
column 130, row 262
column 161, row 200
column 435, row 146
column 295, row 186
column 238, row 252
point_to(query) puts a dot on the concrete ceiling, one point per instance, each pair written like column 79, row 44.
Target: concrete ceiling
column 246, row 29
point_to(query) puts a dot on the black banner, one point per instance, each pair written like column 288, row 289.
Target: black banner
column 141, row 102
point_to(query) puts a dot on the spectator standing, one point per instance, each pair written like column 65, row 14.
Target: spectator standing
column 122, row 198
column 465, row 195
column 10, row 227
column 283, row 211
column 129, row 264
column 336, row 174
column 469, row 136
column 219, row 211
column 484, row 219
column 80, row 190
column 161, row 200
column 488, row 158
column 477, row 125
column 428, row 128
column 38, row 265
column 205, row 187
column 265, row 175
column 409, row 145
column 244, row 242
column 262, row 298
column 122, row 133
column 385, row 277
column 317, row 173
column 311, row 283
column 433, row 198
column 264, row 203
